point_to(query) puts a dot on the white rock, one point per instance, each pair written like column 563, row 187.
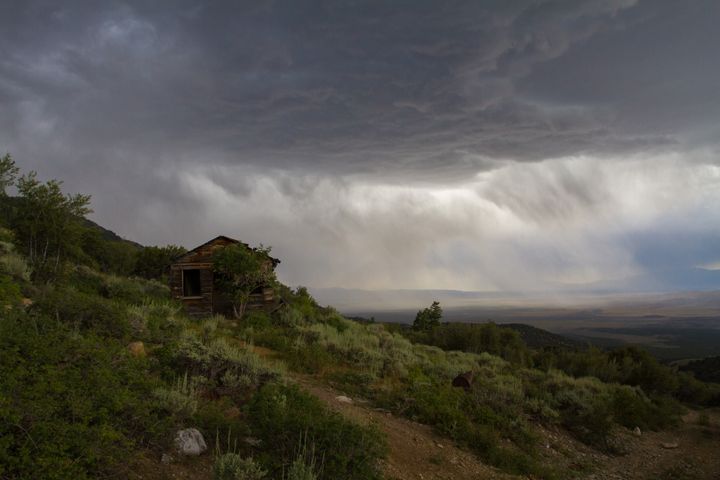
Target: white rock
column 637, row 432
column 343, row 399
column 190, row 442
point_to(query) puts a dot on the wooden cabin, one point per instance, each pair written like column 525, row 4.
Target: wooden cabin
column 192, row 282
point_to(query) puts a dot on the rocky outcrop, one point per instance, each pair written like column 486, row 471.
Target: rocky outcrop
column 190, row 442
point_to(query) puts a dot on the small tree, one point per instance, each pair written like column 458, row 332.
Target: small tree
column 8, row 173
column 240, row 270
column 428, row 318
column 48, row 223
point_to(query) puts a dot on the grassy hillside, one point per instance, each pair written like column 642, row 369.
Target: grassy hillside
column 199, row 372
column 101, row 368
column 75, row 403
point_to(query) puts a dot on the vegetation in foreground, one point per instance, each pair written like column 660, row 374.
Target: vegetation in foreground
column 75, row 402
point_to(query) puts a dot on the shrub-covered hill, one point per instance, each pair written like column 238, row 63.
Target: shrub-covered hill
column 100, row 370
column 706, row 369
column 75, row 402
column 538, row 338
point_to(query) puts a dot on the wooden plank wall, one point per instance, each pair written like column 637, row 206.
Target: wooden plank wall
column 210, row 301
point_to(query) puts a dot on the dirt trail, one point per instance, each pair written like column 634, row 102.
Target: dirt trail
column 415, row 452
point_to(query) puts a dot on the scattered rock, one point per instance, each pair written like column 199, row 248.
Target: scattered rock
column 190, row 442
column 166, row 459
column 669, row 445
column 137, row 349
column 343, row 399
column 637, row 432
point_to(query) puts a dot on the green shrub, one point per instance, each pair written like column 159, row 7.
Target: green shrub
column 632, row 408
column 156, row 320
column 180, row 400
column 6, row 236
column 123, row 288
column 230, row 369
column 209, row 326
column 71, row 406
column 130, row 290
column 84, row 311
column 9, row 293
column 256, row 319
column 231, row 466
column 275, row 337
column 309, row 358
column 303, row 304
column 290, row 316
column 221, row 416
column 584, row 405
column 14, row 265
column 154, row 262
column 281, row 415
column 299, row 470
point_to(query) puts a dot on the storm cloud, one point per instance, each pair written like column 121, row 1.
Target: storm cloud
column 486, row 145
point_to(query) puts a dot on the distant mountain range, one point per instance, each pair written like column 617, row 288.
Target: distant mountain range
column 364, row 301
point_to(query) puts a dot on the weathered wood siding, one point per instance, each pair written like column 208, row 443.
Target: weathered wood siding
column 210, row 300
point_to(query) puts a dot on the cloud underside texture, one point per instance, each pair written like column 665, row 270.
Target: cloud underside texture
column 471, row 145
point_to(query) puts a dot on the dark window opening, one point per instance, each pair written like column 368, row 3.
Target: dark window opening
column 191, row 283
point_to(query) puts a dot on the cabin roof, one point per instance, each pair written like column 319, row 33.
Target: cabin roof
column 275, row 261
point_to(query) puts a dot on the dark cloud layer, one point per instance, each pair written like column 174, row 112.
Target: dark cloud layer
column 217, row 108
column 358, row 87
